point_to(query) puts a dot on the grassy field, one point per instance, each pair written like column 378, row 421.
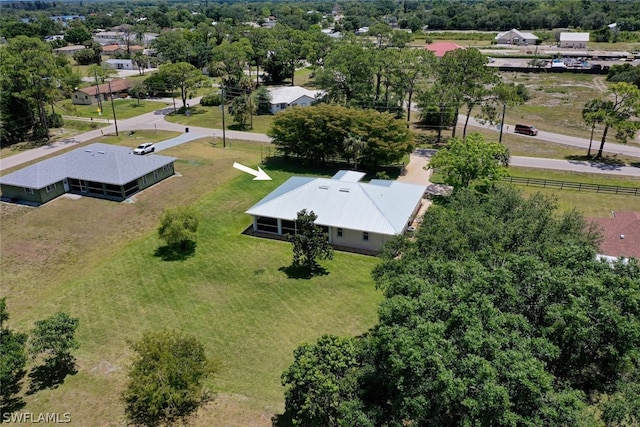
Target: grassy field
column 125, row 109
column 100, row 261
column 211, row 117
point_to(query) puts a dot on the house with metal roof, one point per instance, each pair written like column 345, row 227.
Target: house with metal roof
column 98, row 170
column 291, row 96
column 574, row 40
column 356, row 215
column 515, row 37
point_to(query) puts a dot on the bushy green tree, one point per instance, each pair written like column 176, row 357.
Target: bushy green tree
column 166, row 379
column 241, row 111
column 182, row 76
column 321, row 380
column 179, row 226
column 310, row 242
column 13, row 359
column 318, row 132
column 262, row 101
column 496, row 312
column 463, row 161
column 54, row 338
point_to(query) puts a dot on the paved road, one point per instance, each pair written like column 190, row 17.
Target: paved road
column 609, row 147
column 155, row 120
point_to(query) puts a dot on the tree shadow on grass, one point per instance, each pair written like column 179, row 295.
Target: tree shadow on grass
column 282, row 420
column 299, row 272
column 51, row 373
column 176, row 253
column 607, row 160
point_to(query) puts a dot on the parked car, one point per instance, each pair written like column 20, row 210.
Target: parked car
column 144, row 149
column 526, row 130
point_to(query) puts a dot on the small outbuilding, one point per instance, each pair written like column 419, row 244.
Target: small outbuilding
column 517, row 38
column 292, row 96
column 356, row 215
column 120, row 64
column 574, row 40
column 98, row 170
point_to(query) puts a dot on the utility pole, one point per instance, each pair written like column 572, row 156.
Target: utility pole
column 224, row 134
column 504, row 110
column 95, row 73
column 113, row 107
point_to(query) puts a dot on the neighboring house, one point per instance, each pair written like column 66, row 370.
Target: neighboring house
column 515, row 37
column 121, row 64
column 574, row 40
column 357, row 216
column 69, row 50
column 54, row 37
column 89, row 95
column 108, row 35
column 440, row 48
column 98, row 170
column 291, row 96
column 269, row 22
column 621, row 234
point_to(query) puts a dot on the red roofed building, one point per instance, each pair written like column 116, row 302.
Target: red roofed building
column 440, row 48
column 621, row 234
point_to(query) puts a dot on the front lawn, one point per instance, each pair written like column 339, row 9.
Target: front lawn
column 125, row 109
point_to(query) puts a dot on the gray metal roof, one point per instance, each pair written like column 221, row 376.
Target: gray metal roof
column 380, row 206
column 109, row 164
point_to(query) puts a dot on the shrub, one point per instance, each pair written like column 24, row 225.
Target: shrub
column 211, row 99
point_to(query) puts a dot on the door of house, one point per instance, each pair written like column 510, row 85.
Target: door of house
column 83, row 186
column 65, row 183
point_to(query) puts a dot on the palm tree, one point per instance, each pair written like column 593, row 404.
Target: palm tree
column 354, row 145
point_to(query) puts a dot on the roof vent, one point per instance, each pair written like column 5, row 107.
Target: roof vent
column 324, row 187
column 344, row 190
column 88, row 151
column 100, row 152
column 622, row 236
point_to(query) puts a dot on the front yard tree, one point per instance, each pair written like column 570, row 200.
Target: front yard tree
column 53, row 339
column 183, row 76
column 179, row 226
column 620, row 113
column 472, row 158
column 262, row 98
column 241, row 111
column 310, row 242
column 166, row 379
column 13, row 359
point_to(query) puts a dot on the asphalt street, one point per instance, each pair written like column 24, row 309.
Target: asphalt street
column 156, row 120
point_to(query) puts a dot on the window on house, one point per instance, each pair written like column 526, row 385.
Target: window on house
column 365, row 235
column 144, row 180
column 86, row 97
column 28, row 190
column 339, row 232
column 51, row 187
column 155, row 174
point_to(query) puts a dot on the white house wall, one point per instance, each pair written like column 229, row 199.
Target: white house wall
column 354, row 239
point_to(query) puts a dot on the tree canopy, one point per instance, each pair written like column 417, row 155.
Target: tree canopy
column 463, row 161
column 166, row 379
column 179, row 226
column 317, row 134
column 13, row 359
column 496, row 312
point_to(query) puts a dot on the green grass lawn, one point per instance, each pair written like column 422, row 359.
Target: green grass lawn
column 211, row 117
column 97, row 260
column 125, row 109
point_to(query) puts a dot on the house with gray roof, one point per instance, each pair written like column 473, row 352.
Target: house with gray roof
column 515, row 37
column 356, row 215
column 98, row 170
column 292, row 96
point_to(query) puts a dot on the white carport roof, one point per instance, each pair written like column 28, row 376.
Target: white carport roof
column 380, row 206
